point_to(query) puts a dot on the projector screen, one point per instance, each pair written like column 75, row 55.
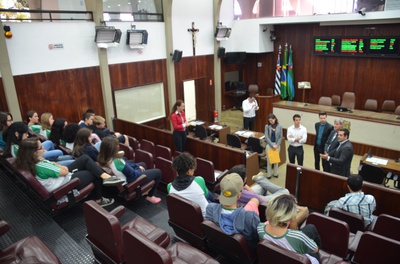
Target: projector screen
column 140, row 104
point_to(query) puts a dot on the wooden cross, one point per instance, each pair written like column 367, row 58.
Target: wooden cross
column 193, row 31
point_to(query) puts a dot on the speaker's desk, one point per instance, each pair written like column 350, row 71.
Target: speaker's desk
column 378, row 131
column 390, row 166
column 220, row 130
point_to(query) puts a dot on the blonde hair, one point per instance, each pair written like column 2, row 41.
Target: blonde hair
column 97, row 120
column 44, row 119
column 281, row 210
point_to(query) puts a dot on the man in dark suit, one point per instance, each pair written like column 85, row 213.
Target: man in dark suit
column 332, row 143
column 341, row 160
column 322, row 131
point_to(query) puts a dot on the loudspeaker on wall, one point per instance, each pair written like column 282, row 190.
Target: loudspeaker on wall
column 221, row 52
column 177, row 56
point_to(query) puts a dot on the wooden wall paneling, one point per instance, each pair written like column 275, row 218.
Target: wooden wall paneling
column 3, row 101
column 66, row 93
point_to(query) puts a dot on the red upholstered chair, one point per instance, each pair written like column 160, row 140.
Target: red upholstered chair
column 163, row 152
column 104, row 232
column 129, row 153
column 205, row 169
column 387, row 226
column 55, row 199
column 133, row 143
column 234, row 246
column 141, row 250
column 148, row 146
column 27, row 250
column 334, row 237
column 133, row 190
column 355, row 221
column 268, row 252
column 374, row 248
column 146, row 157
column 168, row 174
column 179, row 211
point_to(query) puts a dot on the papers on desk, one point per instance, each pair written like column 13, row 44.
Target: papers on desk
column 377, row 161
column 243, row 133
column 195, row 123
column 216, row 127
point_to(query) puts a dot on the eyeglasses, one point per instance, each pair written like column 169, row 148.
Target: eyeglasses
column 9, row 120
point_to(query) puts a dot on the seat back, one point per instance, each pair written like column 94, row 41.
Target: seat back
column 349, row 100
column 104, row 231
column 233, row 141
column 146, row 157
column 374, row 248
column 388, row 106
column 335, row 99
column 268, row 252
column 254, row 145
column 371, row 105
column 142, row 250
column 324, row 100
column 164, row 152
column 397, row 111
column 372, row 173
column 355, row 221
column 334, row 233
column 233, row 246
column 129, row 153
column 205, row 169
column 35, row 184
column 133, row 143
column 387, row 226
column 253, row 89
column 168, row 173
column 148, row 146
column 180, row 210
column 200, row 132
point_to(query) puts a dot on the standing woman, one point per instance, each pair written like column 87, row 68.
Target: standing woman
column 179, row 123
column 273, row 136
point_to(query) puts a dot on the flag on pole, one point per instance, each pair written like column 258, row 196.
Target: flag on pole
column 277, row 89
column 290, row 75
column 284, row 92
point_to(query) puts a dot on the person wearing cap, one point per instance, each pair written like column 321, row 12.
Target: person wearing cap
column 231, row 218
column 249, row 107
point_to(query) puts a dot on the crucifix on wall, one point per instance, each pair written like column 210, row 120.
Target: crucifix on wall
column 193, row 31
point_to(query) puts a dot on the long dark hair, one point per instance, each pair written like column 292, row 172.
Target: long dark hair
column 26, row 157
column 108, row 150
column 81, row 139
column 11, row 139
column 70, row 131
column 56, row 131
column 3, row 121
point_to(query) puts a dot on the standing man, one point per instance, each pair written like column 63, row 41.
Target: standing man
column 341, row 160
column 332, row 143
column 322, row 132
column 249, row 106
column 297, row 136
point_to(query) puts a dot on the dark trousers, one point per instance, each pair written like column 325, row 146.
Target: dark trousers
column 179, row 138
column 296, row 151
column 248, row 123
column 87, row 172
column 152, row 174
column 312, row 232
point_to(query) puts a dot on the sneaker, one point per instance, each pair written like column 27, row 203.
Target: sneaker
column 120, row 154
column 113, row 181
column 106, row 201
column 255, row 177
column 153, row 199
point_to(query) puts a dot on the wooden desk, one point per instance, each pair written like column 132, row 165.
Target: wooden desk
column 392, row 165
column 317, row 188
column 221, row 133
column 379, row 132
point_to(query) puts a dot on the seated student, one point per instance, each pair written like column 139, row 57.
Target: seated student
column 56, row 131
column 231, row 218
column 90, row 111
column 5, row 121
column 188, row 186
column 83, row 144
column 281, row 210
column 355, row 201
column 87, row 120
column 52, row 175
column 99, row 128
column 127, row 171
column 69, row 134
column 46, row 119
column 32, row 120
column 266, row 188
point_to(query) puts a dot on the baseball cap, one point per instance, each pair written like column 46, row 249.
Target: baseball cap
column 231, row 185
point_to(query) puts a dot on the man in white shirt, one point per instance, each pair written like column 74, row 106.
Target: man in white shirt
column 297, row 136
column 249, row 106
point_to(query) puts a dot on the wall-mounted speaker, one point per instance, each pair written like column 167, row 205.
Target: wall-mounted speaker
column 235, row 58
column 177, row 56
column 221, row 52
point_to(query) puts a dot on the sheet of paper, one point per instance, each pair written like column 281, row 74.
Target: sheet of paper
column 377, row 161
column 248, row 134
column 240, row 133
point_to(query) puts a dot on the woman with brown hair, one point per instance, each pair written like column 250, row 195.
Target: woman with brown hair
column 83, row 144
